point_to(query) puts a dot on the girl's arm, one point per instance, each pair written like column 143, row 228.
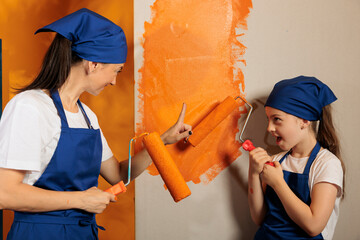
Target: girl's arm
column 113, row 171
column 312, row 219
column 257, row 158
column 18, row 196
column 256, row 199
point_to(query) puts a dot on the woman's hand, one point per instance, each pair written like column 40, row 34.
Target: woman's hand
column 257, row 159
column 178, row 131
column 95, row 200
column 272, row 175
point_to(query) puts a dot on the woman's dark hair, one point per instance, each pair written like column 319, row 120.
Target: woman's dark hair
column 55, row 67
column 327, row 136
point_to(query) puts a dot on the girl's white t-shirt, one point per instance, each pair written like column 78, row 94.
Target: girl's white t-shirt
column 30, row 130
column 325, row 168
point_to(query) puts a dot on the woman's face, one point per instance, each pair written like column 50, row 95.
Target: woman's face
column 102, row 75
column 286, row 128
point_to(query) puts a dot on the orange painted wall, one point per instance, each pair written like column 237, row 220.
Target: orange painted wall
column 22, row 56
column 192, row 54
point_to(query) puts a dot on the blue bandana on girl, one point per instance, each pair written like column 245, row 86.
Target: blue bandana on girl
column 302, row 96
column 94, row 37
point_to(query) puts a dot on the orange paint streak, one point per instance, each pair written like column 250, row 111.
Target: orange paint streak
column 192, row 55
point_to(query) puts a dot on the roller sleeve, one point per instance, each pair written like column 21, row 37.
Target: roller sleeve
column 167, row 168
column 213, row 119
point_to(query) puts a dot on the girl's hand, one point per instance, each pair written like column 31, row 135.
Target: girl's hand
column 257, row 159
column 95, row 200
column 178, row 131
column 272, row 176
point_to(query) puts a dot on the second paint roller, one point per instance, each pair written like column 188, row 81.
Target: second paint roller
column 212, row 120
column 215, row 117
column 164, row 163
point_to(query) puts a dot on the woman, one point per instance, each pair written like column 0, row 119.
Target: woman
column 51, row 147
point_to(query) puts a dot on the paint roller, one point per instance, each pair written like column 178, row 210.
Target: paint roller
column 120, row 187
column 215, row 117
column 164, row 163
column 212, row 120
column 247, row 144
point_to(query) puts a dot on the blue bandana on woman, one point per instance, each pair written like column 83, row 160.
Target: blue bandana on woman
column 93, row 37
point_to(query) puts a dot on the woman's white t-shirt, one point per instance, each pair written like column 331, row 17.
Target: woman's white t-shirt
column 30, row 130
column 325, row 168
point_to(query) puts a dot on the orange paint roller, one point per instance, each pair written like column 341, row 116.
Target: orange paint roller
column 212, row 120
column 247, row 144
column 167, row 168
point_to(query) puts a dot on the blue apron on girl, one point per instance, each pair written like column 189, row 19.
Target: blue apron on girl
column 75, row 166
column 277, row 224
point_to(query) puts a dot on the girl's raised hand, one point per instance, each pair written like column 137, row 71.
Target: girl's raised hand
column 258, row 157
column 272, row 175
column 178, row 131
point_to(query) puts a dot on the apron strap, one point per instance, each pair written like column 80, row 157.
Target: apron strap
column 57, row 101
column 282, row 159
column 58, row 104
column 312, row 157
column 85, row 115
column 41, row 218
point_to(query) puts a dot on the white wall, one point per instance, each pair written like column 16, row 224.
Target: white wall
column 284, row 39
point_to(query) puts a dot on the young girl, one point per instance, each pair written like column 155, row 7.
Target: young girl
column 298, row 197
column 51, row 147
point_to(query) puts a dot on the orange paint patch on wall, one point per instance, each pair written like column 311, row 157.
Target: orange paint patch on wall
column 192, row 54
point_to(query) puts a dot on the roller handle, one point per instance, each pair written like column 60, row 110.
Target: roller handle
column 249, row 146
column 117, row 188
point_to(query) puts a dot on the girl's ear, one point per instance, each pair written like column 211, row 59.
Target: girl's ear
column 305, row 123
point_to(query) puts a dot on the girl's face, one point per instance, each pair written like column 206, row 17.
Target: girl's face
column 102, row 76
column 286, row 128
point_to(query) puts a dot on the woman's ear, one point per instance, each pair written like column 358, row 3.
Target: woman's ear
column 91, row 66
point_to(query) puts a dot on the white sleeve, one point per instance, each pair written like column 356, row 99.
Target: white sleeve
column 106, row 152
column 327, row 169
column 20, row 140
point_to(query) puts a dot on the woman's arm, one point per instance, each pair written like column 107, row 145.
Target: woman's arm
column 113, row 171
column 18, row 196
column 312, row 219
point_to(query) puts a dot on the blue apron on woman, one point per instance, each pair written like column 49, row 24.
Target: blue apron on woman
column 75, row 166
column 277, row 224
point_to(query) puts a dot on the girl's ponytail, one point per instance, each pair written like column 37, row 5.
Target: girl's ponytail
column 327, row 136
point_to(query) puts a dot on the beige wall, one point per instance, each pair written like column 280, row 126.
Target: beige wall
column 284, row 39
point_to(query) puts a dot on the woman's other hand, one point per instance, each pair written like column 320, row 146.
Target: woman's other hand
column 95, row 200
column 178, row 131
